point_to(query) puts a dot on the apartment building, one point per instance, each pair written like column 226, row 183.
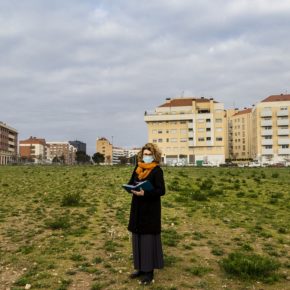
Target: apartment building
column 63, row 151
column 8, row 144
column 229, row 133
column 81, row 146
column 104, row 147
column 241, row 135
column 271, row 134
column 189, row 131
column 34, row 149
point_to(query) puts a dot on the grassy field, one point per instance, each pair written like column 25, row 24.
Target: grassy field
column 66, row 228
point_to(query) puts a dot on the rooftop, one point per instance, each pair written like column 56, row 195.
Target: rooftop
column 277, row 98
column 245, row 111
column 184, row 102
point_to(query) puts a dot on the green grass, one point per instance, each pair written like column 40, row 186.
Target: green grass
column 60, row 226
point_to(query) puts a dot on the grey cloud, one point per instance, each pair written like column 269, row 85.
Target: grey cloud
column 83, row 69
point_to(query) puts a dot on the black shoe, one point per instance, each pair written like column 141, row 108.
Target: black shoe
column 136, row 274
column 148, row 277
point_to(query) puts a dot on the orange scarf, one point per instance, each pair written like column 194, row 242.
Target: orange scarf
column 144, row 169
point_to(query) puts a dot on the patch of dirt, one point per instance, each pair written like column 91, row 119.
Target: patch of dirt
column 81, row 281
column 8, row 276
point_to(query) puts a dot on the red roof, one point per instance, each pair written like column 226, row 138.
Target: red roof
column 245, row 111
column 277, row 98
column 33, row 140
column 183, row 102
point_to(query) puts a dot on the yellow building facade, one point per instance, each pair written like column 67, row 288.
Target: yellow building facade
column 189, row 131
column 271, row 134
column 242, row 135
column 104, row 147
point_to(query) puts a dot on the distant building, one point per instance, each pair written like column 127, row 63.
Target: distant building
column 63, row 150
column 189, row 131
column 132, row 152
column 81, row 146
column 104, row 147
column 118, row 154
column 8, row 144
column 34, row 149
column 271, row 133
column 242, row 135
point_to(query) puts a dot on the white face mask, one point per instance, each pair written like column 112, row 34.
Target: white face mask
column 148, row 159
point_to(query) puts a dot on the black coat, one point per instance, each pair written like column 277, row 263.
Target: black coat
column 145, row 214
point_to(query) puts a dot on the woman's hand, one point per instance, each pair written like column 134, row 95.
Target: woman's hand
column 138, row 193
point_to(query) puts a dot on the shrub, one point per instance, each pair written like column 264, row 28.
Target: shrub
column 206, row 184
column 215, row 192
column 240, row 194
column 58, row 223
column 249, row 265
column 170, row 237
column 71, row 199
column 198, row 270
column 198, row 195
column 275, row 174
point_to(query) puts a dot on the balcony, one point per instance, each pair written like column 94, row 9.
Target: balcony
column 282, row 113
column 283, row 141
column 267, row 142
column 191, row 143
column 284, row 151
column 283, row 132
column 266, row 123
column 283, row 122
column 190, row 125
column 267, row 151
column 266, row 114
column 267, row 132
column 159, row 117
column 191, row 134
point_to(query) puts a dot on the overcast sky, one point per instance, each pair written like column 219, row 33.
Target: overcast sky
column 80, row 69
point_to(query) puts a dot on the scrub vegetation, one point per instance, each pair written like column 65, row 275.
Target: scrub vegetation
column 66, row 228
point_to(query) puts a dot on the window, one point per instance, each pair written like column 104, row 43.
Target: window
column 154, row 140
column 200, row 129
column 208, row 120
column 285, row 146
column 154, row 131
column 268, row 137
column 219, row 129
column 182, row 122
column 159, row 140
column 190, row 139
column 268, row 146
column 200, row 139
column 183, row 131
column 167, row 139
column 183, row 139
column 208, row 138
column 159, row 131
column 208, row 129
column 173, row 131
column 190, row 130
column 219, row 139
column 173, row 139
column 218, row 120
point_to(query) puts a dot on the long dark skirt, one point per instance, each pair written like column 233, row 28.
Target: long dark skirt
column 147, row 252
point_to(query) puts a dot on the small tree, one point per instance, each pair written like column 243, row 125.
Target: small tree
column 98, row 157
column 55, row 159
column 82, row 157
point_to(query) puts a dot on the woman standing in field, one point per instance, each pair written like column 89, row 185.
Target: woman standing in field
column 145, row 215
